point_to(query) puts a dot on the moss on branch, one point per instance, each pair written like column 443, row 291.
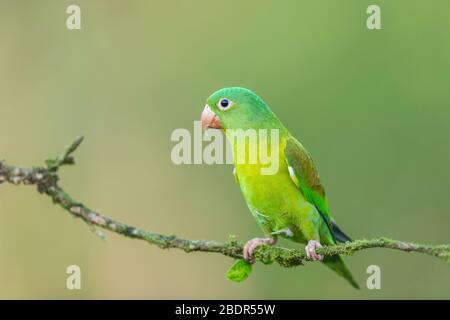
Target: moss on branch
column 46, row 179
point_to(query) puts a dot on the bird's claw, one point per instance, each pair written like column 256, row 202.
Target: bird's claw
column 254, row 243
column 310, row 250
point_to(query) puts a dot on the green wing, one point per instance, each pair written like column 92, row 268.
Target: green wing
column 305, row 176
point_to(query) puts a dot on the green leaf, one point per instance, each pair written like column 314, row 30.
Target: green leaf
column 239, row 271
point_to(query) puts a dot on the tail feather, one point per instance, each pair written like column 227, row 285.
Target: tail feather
column 337, row 264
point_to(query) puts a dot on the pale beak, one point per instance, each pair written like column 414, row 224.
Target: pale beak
column 209, row 119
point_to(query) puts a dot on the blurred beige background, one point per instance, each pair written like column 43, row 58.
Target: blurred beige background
column 373, row 107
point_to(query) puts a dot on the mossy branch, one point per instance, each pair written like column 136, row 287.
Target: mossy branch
column 46, row 179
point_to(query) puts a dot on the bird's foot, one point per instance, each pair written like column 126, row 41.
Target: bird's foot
column 310, row 250
column 254, row 243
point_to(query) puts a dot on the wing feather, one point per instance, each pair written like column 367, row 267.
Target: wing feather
column 306, row 177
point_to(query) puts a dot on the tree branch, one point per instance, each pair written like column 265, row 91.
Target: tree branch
column 46, row 179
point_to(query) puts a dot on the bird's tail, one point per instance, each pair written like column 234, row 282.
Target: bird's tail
column 337, row 264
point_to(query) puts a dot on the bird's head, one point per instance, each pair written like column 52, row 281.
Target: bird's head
column 236, row 108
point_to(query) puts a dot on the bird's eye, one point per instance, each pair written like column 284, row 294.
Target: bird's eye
column 224, row 104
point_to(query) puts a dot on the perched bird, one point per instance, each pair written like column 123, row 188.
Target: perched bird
column 290, row 203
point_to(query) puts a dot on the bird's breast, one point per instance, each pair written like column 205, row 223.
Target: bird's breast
column 267, row 193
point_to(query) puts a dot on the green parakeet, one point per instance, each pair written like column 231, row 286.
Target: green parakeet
column 290, row 203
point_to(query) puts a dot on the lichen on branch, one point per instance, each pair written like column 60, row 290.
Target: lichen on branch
column 47, row 181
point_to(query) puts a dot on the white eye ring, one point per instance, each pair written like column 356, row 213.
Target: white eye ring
column 224, row 104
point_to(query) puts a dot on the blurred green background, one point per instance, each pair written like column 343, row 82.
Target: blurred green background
column 373, row 107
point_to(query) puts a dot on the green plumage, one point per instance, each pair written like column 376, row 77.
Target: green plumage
column 290, row 203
